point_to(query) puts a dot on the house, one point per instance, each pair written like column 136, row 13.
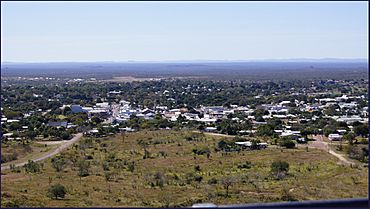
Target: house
column 210, row 129
column 335, row 137
column 207, row 120
column 102, row 105
column 7, row 135
column 77, row 109
column 248, row 144
column 349, row 120
column 58, row 124
column 127, row 129
column 99, row 113
column 342, row 131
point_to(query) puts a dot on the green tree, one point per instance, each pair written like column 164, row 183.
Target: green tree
column 361, row 130
column 227, row 182
column 83, row 168
column 265, row 130
column 287, row 143
column 349, row 137
column 57, row 191
column 279, row 169
column 59, row 163
column 32, row 167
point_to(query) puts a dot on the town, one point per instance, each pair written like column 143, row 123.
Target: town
column 291, row 113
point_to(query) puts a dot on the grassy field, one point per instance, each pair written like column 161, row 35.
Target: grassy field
column 23, row 151
column 172, row 175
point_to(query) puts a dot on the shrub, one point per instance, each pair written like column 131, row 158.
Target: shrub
column 212, row 181
column 32, row 167
column 56, row 191
column 59, row 163
column 246, row 165
column 202, row 151
column 358, row 152
column 83, row 168
column 198, row 178
column 279, row 169
column 287, row 143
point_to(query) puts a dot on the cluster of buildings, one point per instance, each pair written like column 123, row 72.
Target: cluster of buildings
column 346, row 106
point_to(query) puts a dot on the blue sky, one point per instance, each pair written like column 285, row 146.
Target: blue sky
column 157, row 31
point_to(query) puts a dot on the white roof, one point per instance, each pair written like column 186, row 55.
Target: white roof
column 11, row 121
column 247, row 143
column 334, row 135
column 211, row 128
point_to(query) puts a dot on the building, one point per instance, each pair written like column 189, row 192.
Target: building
column 77, row 109
column 210, row 129
column 58, row 124
column 335, row 137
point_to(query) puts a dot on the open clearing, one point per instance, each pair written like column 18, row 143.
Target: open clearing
column 168, row 175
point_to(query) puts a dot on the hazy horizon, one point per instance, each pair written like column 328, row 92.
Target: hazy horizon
column 202, row 61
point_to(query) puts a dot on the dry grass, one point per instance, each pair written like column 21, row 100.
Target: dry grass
column 313, row 175
column 33, row 150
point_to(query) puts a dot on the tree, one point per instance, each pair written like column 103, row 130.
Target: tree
column 227, row 182
column 279, row 169
column 65, row 135
column 96, row 120
column 56, row 191
column 265, row 130
column 31, row 134
column 349, row 137
column 32, row 167
column 255, row 144
column 160, row 179
column 83, row 168
column 357, row 152
column 361, row 130
column 287, row 143
column 59, row 163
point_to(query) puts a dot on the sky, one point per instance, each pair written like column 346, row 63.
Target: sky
column 167, row 31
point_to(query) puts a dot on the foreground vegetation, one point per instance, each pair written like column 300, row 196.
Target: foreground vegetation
column 178, row 169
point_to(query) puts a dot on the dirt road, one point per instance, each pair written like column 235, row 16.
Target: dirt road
column 214, row 134
column 319, row 143
column 49, row 154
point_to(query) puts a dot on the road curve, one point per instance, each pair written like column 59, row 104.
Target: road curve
column 48, row 154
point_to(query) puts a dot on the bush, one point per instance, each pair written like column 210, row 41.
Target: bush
column 202, row 151
column 59, row 163
column 279, row 169
column 56, row 191
column 359, row 153
column 32, row 167
column 246, row 165
column 287, row 143
column 9, row 157
column 212, row 181
column 198, row 178
column 83, row 168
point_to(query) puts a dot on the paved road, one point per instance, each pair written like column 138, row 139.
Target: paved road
column 319, row 143
column 49, row 154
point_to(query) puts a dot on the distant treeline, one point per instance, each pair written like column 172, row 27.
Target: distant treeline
column 214, row 71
